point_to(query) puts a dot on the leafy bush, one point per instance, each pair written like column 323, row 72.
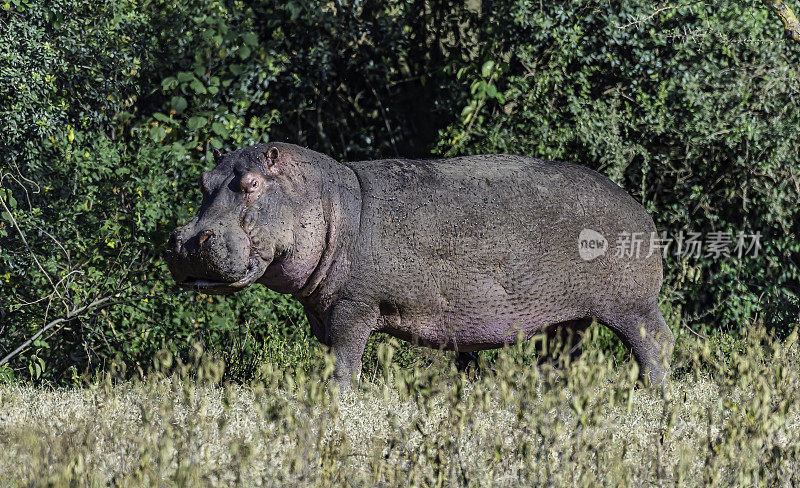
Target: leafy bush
column 109, row 136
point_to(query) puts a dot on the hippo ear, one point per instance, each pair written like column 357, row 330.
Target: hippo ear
column 272, row 155
column 217, row 155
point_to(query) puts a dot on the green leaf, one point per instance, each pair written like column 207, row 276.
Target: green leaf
column 244, row 52
column 487, row 68
column 157, row 133
column 169, row 83
column 195, row 123
column 178, row 104
column 185, row 76
column 250, row 38
column 178, row 150
column 219, row 128
column 161, row 117
column 198, row 87
column 9, row 198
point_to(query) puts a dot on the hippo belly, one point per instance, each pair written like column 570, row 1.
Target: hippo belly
column 483, row 314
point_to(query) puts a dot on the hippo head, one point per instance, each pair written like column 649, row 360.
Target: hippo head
column 260, row 221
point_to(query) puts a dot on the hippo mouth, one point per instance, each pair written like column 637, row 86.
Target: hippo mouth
column 254, row 271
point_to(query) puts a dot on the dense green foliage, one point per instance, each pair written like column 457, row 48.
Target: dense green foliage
column 109, row 111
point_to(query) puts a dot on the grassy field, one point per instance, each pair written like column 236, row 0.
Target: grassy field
column 726, row 418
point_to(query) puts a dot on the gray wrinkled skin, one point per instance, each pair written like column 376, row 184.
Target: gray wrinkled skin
column 464, row 254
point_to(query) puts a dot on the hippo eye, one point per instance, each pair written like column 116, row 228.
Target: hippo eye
column 251, row 182
column 249, row 186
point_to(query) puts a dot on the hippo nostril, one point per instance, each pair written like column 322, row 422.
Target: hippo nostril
column 205, row 236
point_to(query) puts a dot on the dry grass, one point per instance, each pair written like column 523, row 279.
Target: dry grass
column 731, row 422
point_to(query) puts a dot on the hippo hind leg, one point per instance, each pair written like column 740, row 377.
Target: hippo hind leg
column 647, row 335
column 562, row 342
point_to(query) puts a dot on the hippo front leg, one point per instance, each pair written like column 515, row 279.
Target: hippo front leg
column 350, row 324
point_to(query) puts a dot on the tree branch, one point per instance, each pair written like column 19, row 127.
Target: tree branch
column 97, row 304
column 27, row 247
column 790, row 22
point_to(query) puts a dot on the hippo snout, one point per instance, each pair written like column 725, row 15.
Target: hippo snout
column 210, row 258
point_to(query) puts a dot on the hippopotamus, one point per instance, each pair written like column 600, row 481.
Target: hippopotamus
column 465, row 254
